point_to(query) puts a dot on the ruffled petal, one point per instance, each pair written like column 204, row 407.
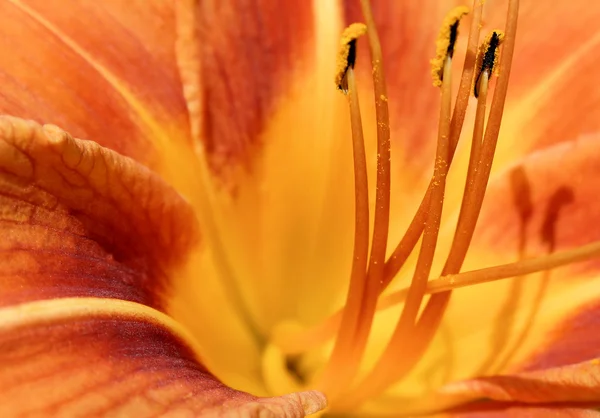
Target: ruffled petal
column 94, row 245
column 101, row 70
column 523, row 411
column 81, row 220
column 93, row 357
column 573, row 388
column 573, row 383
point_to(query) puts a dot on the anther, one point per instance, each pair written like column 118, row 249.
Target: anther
column 347, row 54
column 445, row 43
column 487, row 57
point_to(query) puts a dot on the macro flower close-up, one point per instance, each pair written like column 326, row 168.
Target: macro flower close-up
column 270, row 208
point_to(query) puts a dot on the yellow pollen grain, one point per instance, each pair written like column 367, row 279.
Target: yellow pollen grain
column 484, row 47
column 482, row 52
column 443, row 42
column 351, row 33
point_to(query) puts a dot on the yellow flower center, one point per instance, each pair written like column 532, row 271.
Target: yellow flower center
column 331, row 355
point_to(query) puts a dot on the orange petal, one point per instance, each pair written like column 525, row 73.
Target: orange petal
column 248, row 56
column 549, row 99
column 572, row 383
column 573, row 341
column 573, row 387
column 104, row 71
column 92, row 357
column 512, row 410
column 92, row 244
column 561, row 106
column 534, row 59
column 543, row 202
column 80, row 220
column 267, row 86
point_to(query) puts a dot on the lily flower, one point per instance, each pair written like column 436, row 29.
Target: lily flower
column 197, row 222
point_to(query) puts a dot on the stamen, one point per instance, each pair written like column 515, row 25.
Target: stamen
column 382, row 195
column 347, row 54
column 487, row 54
column 386, row 369
column 415, row 229
column 437, row 304
column 520, row 268
column 302, row 341
column 469, row 66
column 411, row 337
column 381, row 218
column 487, row 57
column 298, row 342
column 336, row 369
column 445, row 43
column 504, row 271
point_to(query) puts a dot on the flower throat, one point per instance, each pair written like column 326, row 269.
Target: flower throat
column 371, row 271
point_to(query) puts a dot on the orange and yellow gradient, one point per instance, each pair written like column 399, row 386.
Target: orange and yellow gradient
column 241, row 238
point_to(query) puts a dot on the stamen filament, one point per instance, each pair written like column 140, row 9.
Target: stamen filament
column 415, row 229
column 474, row 161
column 298, row 343
column 464, row 89
column 383, row 188
column 432, row 225
column 336, row 369
column 437, row 304
column 376, row 265
column 382, row 205
column 520, row 268
column 471, row 210
column 384, row 371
